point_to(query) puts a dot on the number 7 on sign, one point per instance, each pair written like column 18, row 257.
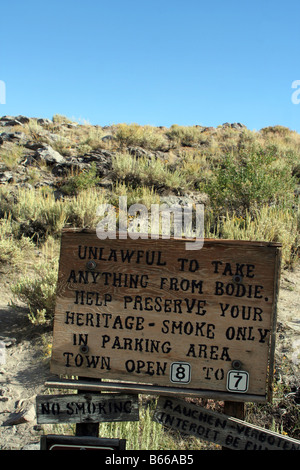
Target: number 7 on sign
column 237, row 381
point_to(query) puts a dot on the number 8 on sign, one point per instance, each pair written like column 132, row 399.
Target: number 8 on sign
column 180, row 372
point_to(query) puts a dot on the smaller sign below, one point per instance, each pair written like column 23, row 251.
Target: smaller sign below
column 219, row 428
column 86, row 408
column 54, row 442
column 237, row 381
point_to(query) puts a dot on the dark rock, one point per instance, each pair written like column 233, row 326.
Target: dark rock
column 29, row 160
column 6, row 118
column 237, row 126
column 102, row 159
column 13, row 123
column 22, row 119
column 208, row 129
column 33, row 145
column 9, row 121
column 296, row 171
column 89, row 158
column 71, row 125
column 234, row 125
column 19, row 137
column 34, row 229
column 44, row 121
column 24, row 415
column 58, row 195
column 108, row 138
column 62, row 169
column 49, row 155
column 4, row 137
column 140, row 152
column 106, row 154
column 162, row 155
column 7, row 341
column 106, row 184
column 6, row 177
column 26, row 186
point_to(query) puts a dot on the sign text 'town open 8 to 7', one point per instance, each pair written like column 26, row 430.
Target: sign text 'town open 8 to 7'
column 150, row 312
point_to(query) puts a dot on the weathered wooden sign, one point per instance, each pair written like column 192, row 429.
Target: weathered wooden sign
column 218, row 428
column 54, row 442
column 150, row 311
column 86, row 408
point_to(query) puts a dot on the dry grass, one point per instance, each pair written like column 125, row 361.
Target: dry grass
column 251, row 178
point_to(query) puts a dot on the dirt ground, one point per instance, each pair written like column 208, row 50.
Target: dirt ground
column 23, row 375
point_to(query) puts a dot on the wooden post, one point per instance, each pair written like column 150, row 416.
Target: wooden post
column 87, row 429
column 234, row 409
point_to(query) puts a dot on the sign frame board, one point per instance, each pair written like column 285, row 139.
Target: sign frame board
column 86, row 408
column 60, row 442
column 218, row 428
column 151, row 312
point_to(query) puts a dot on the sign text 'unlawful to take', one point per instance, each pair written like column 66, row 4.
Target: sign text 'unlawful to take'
column 149, row 311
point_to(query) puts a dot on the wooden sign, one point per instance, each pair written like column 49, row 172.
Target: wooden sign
column 150, row 311
column 86, row 408
column 218, row 428
column 54, row 442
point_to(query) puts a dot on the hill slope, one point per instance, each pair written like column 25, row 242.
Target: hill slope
column 55, row 174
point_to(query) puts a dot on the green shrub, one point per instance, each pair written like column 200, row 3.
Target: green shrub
column 62, row 146
column 38, row 291
column 84, row 180
column 196, row 169
column 13, row 252
column 92, row 138
column 146, row 434
column 144, row 171
column 250, row 181
column 140, row 195
column 281, row 131
column 147, row 137
column 186, row 136
column 271, row 224
column 11, row 155
column 60, row 119
column 36, row 287
column 37, row 213
column 81, row 210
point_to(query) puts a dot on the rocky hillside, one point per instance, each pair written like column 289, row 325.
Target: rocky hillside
column 53, row 173
column 37, row 152
column 47, row 150
column 248, row 180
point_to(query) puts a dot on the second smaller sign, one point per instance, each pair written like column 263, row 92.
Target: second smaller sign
column 86, row 408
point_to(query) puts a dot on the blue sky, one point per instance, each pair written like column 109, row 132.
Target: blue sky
column 152, row 62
